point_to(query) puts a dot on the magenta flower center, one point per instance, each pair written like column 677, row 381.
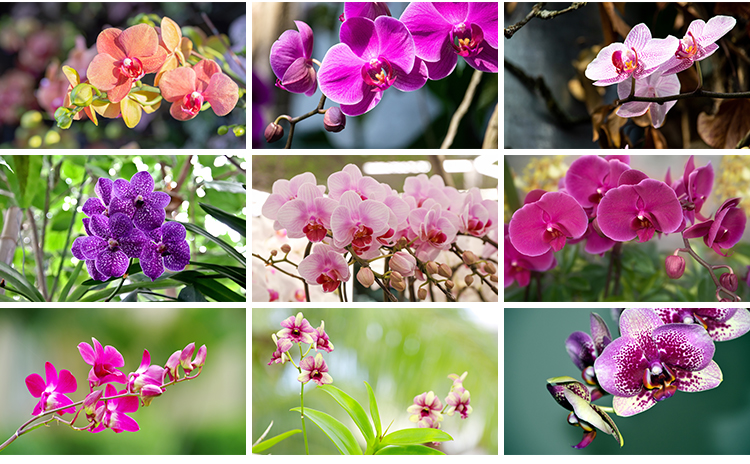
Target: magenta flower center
column 688, row 47
column 162, row 250
column 132, row 68
column 314, row 230
column 466, row 39
column 554, row 236
column 659, row 377
column 437, row 236
column 329, row 281
column 362, row 238
column 378, row 73
column 192, row 103
column 625, row 62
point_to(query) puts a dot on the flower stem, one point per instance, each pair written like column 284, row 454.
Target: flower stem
column 302, row 402
column 122, row 281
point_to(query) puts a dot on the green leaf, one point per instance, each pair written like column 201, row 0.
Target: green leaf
column 25, row 183
column 226, row 186
column 232, row 221
column 224, row 245
column 237, row 274
column 264, row 445
column 353, row 408
column 191, row 294
column 102, row 294
column 415, row 436
column 133, row 269
column 20, row 284
column 374, row 410
column 69, row 284
column 408, row 449
column 209, row 286
column 511, row 195
column 335, row 430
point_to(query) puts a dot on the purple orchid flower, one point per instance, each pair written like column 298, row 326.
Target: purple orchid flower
column 308, row 215
column 722, row 324
column 100, row 204
column 370, row 10
column 724, row 231
column 139, row 194
column 652, row 360
column 639, row 210
column 693, row 188
column 322, row 341
column 575, row 397
column 638, row 57
column 78, row 253
column 546, row 223
column 146, row 374
column 699, row 42
column 104, row 360
column 372, row 57
column 314, row 369
column 111, row 414
column 425, row 411
column 114, row 240
column 169, row 249
column 444, row 31
column 291, row 60
column 296, row 329
column 583, row 349
column 590, row 177
column 654, row 85
column 518, row 267
column 51, row 393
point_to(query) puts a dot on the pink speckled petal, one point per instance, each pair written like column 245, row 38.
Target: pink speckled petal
column 686, row 346
column 696, row 381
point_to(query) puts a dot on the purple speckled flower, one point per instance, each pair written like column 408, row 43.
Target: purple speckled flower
column 721, row 323
column 583, row 348
column 139, row 194
column 100, row 205
column 291, row 60
column 114, row 240
column 315, row 369
column 296, row 329
column 169, row 249
column 652, row 360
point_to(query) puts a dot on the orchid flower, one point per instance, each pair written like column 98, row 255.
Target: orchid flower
column 187, row 88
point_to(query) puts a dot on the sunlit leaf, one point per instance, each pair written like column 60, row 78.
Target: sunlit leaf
column 335, row 430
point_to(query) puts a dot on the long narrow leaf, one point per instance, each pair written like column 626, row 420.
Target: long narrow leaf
column 415, row 437
column 353, row 408
column 20, row 284
column 264, row 445
column 237, row 274
column 102, row 294
column 209, row 286
column 408, row 449
column 224, row 245
column 134, row 268
column 335, row 430
column 236, row 223
column 374, row 410
column 69, row 284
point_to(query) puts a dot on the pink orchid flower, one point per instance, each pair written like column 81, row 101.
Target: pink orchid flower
column 146, row 374
column 104, row 361
column 314, row 369
column 435, row 228
column 358, row 222
column 296, row 329
column 124, row 58
column 324, row 266
column 351, row 178
column 699, row 42
column 284, row 191
column 51, row 393
column 308, row 215
column 655, row 85
column 111, row 414
column 426, row 410
column 187, row 89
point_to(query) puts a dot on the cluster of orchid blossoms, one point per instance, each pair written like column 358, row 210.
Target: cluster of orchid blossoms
column 107, row 408
column 126, row 220
column 113, row 86
column 297, row 330
column 603, row 202
column 659, row 352
column 372, row 224
column 377, row 51
column 647, row 67
column 427, row 410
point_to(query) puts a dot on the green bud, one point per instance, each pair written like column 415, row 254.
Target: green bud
column 239, row 131
column 222, row 130
column 82, row 95
column 63, row 117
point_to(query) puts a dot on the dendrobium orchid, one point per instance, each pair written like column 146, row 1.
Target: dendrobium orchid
column 104, row 360
column 638, row 57
column 655, row 85
column 322, row 341
column 282, row 346
column 721, row 323
column 426, row 410
column 187, row 88
column 699, row 43
column 652, row 360
column 315, row 369
column 51, row 393
column 148, row 377
column 291, row 60
column 296, row 329
column 458, row 398
column 111, row 414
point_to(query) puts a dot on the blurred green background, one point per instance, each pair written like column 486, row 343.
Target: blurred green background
column 710, row 422
column 205, row 415
column 401, row 353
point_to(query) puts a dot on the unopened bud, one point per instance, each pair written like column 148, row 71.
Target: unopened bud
column 449, row 284
column 431, row 267
column 366, row 277
column 675, row 266
column 285, row 248
column 239, row 131
column 445, row 270
column 403, row 263
column 89, row 403
column 186, row 356
column 274, row 252
column 82, row 95
column 63, row 117
column 200, row 357
column 422, row 293
column 469, row 279
column 172, row 364
column 402, row 242
column 149, row 392
column 399, row 285
column 334, row 120
column 469, row 257
column 729, row 281
column 396, row 276
column 494, row 278
column 490, row 268
column 273, row 132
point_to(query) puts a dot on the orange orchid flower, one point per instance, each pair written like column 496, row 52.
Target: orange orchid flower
column 187, row 88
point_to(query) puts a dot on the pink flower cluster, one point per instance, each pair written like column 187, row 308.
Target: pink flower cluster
column 653, row 63
column 363, row 216
column 427, row 410
column 108, row 409
column 602, row 201
column 296, row 330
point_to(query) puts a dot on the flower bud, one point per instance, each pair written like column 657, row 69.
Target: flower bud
column 286, row 248
column 82, row 95
column 449, row 284
column 399, row 285
column 422, row 293
column 186, row 356
column 89, row 404
column 334, row 120
column 403, row 263
column 222, row 130
column 431, row 267
column 239, row 131
column 173, row 363
column 63, row 117
column 273, row 132
column 729, row 281
column 494, row 278
column 469, row 257
column 490, row 268
column 200, row 357
column 675, row 266
column 469, row 279
column 396, row 276
column 366, row 277
column 445, row 270
column 274, row 252
column 149, row 392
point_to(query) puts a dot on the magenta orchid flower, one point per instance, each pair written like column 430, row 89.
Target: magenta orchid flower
column 314, row 369
column 518, row 267
column 358, row 222
column 291, row 60
column 146, row 374
column 168, row 248
column 652, row 360
column 284, row 191
column 639, row 210
column 321, row 339
column 583, row 349
column 444, row 31
column 699, row 42
column 111, row 414
column 282, row 346
column 187, row 361
column 458, row 398
column 693, row 188
column 104, row 360
column 308, row 215
column 722, row 324
column 51, row 393
column 139, row 193
column 296, row 329
column 724, row 231
column 324, row 266
column 590, row 177
column 369, row 10
column 547, row 223
column 426, row 410
column 372, row 57
column 654, row 85
column 639, row 56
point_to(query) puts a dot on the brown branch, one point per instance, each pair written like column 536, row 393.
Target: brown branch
column 538, row 12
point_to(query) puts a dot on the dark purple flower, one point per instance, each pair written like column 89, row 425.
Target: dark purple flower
column 291, row 60
column 444, row 31
column 583, row 348
column 639, row 210
column 372, row 56
column 590, row 177
column 721, row 323
column 139, row 194
column 169, row 249
column 114, row 240
column 724, row 231
column 652, row 360
column 546, row 223
column 100, row 205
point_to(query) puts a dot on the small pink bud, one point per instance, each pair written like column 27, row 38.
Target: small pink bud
column 403, row 263
column 729, row 281
column 285, row 248
column 366, row 277
column 675, row 266
column 89, row 403
column 445, row 270
column 172, row 365
column 200, row 358
column 274, row 252
column 399, row 285
column 186, row 356
column 449, row 284
column 431, row 267
column 494, row 278
column 396, row 277
column 334, row 120
column 273, row 132
column 469, row 258
column 148, row 393
column 469, row 279
column 490, row 268
column 422, row 293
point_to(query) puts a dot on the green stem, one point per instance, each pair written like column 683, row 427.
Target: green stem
column 302, row 402
column 119, row 286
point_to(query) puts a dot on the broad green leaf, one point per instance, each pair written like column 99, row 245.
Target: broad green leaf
column 335, row 430
column 20, row 284
column 236, row 223
column 103, row 294
column 408, row 449
column 224, row 245
column 26, row 181
column 374, row 410
column 133, row 269
column 69, row 285
column 237, row 274
column 191, row 294
column 209, row 286
column 353, row 408
column 415, row 436
column 264, row 445
column 226, row 186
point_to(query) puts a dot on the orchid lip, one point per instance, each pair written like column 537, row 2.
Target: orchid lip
column 378, row 73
